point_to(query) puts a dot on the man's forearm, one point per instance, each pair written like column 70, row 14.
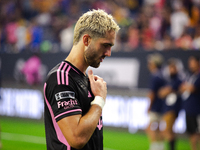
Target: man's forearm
column 78, row 129
column 89, row 121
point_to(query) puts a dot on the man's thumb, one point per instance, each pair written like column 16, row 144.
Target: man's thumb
column 90, row 75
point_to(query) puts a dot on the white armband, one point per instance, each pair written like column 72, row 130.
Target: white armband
column 99, row 101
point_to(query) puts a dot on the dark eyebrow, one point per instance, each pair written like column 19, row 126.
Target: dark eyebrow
column 109, row 44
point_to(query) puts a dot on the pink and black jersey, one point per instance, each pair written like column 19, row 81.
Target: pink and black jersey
column 67, row 92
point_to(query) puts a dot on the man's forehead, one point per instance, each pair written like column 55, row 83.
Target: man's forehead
column 109, row 38
column 111, row 33
column 107, row 41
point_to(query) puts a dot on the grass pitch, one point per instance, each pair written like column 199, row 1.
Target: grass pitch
column 21, row 134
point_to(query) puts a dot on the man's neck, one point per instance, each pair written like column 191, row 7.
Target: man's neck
column 76, row 57
column 154, row 71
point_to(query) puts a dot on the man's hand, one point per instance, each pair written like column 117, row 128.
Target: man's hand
column 98, row 85
column 187, row 87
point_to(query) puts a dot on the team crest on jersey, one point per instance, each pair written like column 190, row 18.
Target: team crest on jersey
column 89, row 94
column 64, row 94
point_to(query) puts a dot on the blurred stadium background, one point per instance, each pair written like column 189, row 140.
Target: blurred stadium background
column 42, row 31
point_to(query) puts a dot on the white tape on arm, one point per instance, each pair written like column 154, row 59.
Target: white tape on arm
column 99, row 101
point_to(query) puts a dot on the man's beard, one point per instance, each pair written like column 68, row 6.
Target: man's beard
column 91, row 57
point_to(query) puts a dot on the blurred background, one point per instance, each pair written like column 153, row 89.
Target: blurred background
column 35, row 35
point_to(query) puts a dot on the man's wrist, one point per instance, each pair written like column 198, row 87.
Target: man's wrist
column 98, row 100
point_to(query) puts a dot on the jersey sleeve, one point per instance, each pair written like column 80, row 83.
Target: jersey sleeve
column 63, row 101
column 154, row 84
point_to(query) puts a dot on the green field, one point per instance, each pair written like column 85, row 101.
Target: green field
column 20, row 134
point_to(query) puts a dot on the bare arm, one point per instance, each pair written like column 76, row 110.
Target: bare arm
column 78, row 129
column 187, row 87
column 163, row 92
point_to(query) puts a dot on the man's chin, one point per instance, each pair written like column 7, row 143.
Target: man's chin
column 95, row 65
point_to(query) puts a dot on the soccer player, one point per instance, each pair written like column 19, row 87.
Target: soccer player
column 172, row 102
column 73, row 99
column 191, row 102
column 155, row 62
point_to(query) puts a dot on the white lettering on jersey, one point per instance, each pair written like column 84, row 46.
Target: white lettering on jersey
column 64, row 94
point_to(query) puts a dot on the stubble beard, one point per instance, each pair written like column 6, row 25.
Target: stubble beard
column 91, row 57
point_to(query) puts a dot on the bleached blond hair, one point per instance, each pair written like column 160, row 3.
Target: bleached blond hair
column 156, row 58
column 95, row 23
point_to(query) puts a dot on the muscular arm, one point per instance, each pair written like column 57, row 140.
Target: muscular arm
column 78, row 129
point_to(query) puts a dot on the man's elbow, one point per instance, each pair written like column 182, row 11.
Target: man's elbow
column 78, row 143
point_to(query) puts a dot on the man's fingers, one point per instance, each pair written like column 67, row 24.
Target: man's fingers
column 98, row 85
column 98, row 78
column 90, row 75
column 93, row 77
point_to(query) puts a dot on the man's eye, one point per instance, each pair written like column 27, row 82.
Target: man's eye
column 105, row 45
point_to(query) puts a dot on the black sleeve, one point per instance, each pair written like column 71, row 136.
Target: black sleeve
column 63, row 101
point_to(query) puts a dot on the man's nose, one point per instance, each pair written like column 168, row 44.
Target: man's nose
column 108, row 52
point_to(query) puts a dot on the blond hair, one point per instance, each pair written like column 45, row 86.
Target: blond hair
column 156, row 58
column 95, row 23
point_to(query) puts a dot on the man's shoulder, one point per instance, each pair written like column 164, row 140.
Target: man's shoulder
column 53, row 71
column 158, row 78
column 63, row 73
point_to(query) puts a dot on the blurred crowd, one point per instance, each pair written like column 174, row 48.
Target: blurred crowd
column 47, row 26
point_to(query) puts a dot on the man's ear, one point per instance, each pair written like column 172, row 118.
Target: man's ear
column 86, row 39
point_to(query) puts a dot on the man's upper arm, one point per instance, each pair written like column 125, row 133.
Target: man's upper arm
column 63, row 101
column 68, row 125
column 67, row 111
